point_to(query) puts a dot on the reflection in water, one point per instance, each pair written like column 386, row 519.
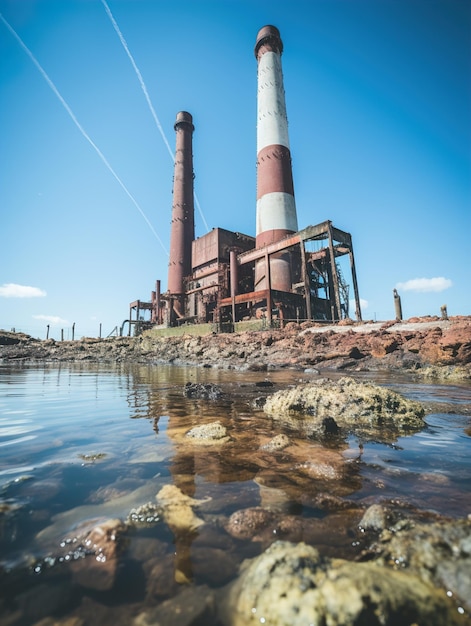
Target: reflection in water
column 84, row 443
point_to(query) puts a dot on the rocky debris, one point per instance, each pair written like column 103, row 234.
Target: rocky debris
column 279, row 442
column 214, row 432
column 291, row 584
column 202, row 391
column 411, row 345
column 327, row 406
column 452, row 373
column 13, row 339
column 439, row 553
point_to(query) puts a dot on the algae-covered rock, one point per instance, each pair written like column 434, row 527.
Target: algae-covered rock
column 214, row 432
column 202, row 391
column 438, row 552
column 349, row 404
column 291, row 585
column 278, row 443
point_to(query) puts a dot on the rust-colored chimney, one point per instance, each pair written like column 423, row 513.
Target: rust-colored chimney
column 183, row 212
column 276, row 209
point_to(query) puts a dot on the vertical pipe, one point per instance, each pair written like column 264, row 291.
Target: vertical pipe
column 234, row 281
column 276, row 210
column 158, row 316
column 397, row 305
column 268, row 278
column 183, row 214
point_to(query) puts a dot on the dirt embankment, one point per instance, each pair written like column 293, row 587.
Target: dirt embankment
column 420, row 344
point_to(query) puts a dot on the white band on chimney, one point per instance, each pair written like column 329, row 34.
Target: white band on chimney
column 272, row 126
column 276, row 211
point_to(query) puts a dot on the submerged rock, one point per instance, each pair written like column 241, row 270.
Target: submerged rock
column 202, row 391
column 246, row 523
column 177, row 509
column 279, row 442
column 374, row 518
column 105, row 542
column 194, row 605
column 344, row 404
column 291, row 585
column 214, row 432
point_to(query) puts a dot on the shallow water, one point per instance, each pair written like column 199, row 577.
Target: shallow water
column 84, row 443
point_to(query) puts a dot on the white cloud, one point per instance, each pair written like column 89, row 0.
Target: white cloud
column 363, row 304
column 54, row 320
column 425, row 284
column 10, row 290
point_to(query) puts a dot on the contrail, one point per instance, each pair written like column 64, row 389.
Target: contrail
column 146, row 94
column 80, row 127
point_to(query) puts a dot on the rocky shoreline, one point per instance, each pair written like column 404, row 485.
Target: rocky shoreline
column 426, row 346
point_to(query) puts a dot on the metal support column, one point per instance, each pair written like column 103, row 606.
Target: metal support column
column 267, row 263
column 355, row 286
column 307, row 282
column 335, row 277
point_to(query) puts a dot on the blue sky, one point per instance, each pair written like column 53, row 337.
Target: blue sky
column 378, row 96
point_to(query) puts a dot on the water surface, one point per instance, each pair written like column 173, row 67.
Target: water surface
column 80, row 444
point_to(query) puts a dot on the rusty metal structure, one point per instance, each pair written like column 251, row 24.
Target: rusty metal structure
column 282, row 274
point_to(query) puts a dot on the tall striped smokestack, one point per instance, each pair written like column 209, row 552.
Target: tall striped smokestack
column 276, row 209
column 183, row 213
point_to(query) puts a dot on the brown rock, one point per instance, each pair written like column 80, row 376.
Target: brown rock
column 104, row 544
column 246, row 523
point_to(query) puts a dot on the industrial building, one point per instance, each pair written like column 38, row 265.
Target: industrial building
column 282, row 274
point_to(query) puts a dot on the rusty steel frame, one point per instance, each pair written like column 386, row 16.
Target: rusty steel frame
column 339, row 244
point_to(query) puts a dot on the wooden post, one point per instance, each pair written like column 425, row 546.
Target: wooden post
column 47, row 332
